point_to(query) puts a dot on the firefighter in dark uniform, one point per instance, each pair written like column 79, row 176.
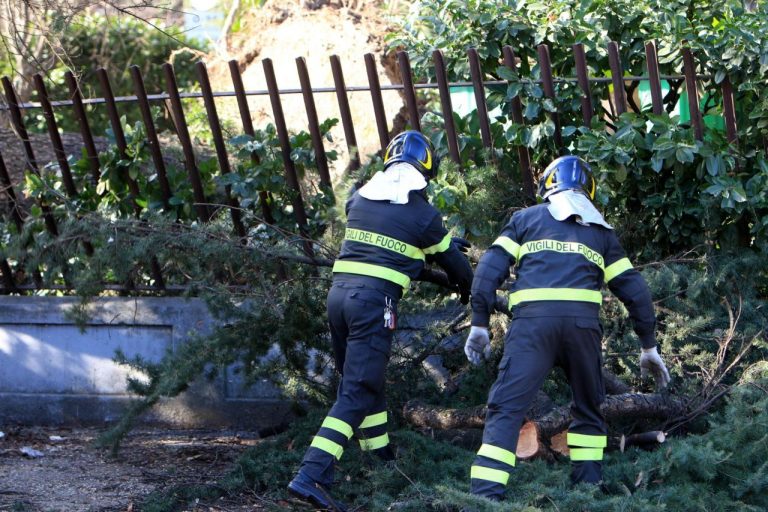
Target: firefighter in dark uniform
column 391, row 231
column 564, row 251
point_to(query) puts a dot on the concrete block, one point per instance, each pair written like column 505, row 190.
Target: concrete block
column 52, row 372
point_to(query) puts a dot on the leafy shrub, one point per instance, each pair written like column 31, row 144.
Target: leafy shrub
column 659, row 183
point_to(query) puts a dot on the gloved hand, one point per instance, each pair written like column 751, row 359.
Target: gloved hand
column 650, row 361
column 461, row 244
column 478, row 345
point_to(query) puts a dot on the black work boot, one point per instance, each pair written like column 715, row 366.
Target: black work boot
column 314, row 493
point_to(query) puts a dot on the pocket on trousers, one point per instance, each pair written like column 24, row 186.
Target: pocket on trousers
column 590, row 324
column 381, row 344
column 503, row 364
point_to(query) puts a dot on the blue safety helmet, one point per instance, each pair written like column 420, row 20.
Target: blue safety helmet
column 567, row 173
column 414, row 148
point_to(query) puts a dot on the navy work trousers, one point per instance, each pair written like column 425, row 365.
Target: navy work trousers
column 361, row 347
column 532, row 347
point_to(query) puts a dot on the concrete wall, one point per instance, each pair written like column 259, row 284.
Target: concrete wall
column 54, row 373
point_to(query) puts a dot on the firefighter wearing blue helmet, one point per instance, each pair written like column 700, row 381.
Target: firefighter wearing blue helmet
column 564, row 251
column 392, row 230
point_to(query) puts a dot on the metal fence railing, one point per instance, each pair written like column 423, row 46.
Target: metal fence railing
column 76, row 103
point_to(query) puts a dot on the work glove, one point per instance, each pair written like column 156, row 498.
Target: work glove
column 461, row 244
column 478, row 345
column 650, row 361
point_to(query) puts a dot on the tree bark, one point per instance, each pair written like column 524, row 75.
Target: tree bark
column 626, row 406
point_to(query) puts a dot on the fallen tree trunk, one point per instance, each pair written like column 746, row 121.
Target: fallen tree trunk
column 422, row 415
column 419, row 414
column 627, row 406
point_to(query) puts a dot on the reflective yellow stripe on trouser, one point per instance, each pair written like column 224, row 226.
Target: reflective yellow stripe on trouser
column 496, row 453
column 328, row 446
column 492, row 475
column 374, row 443
column 374, row 420
column 585, row 447
column 338, row 425
column 569, row 294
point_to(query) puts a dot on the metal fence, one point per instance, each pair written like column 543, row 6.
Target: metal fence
column 172, row 95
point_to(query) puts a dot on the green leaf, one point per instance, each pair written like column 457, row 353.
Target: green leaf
column 719, row 76
column 684, row 155
column 738, row 194
column 657, row 163
column 621, row 174
column 240, row 140
column 531, row 111
column 506, row 73
column 715, row 190
column 713, row 165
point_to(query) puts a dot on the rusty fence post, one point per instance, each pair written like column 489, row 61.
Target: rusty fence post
column 446, row 106
column 154, row 143
column 378, row 103
column 245, row 118
column 85, row 128
column 523, row 157
column 345, row 113
column 482, row 107
column 285, row 145
column 53, row 134
column 221, row 149
column 313, row 122
column 122, row 148
column 689, row 70
column 582, row 75
column 548, row 83
column 58, row 147
column 654, row 81
column 118, row 133
column 5, row 267
column 408, row 91
column 617, row 78
column 31, row 163
column 190, row 160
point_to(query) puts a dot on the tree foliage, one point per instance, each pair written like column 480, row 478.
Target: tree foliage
column 678, row 191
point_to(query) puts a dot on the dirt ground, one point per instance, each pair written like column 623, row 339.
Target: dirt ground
column 72, row 475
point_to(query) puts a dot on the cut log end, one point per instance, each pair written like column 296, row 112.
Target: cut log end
column 559, row 443
column 528, row 444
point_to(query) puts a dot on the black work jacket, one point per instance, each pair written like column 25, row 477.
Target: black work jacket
column 392, row 241
column 561, row 267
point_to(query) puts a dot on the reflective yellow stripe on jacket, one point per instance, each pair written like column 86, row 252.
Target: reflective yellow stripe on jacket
column 385, row 242
column 569, row 294
column 617, row 268
column 367, row 269
column 564, row 248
